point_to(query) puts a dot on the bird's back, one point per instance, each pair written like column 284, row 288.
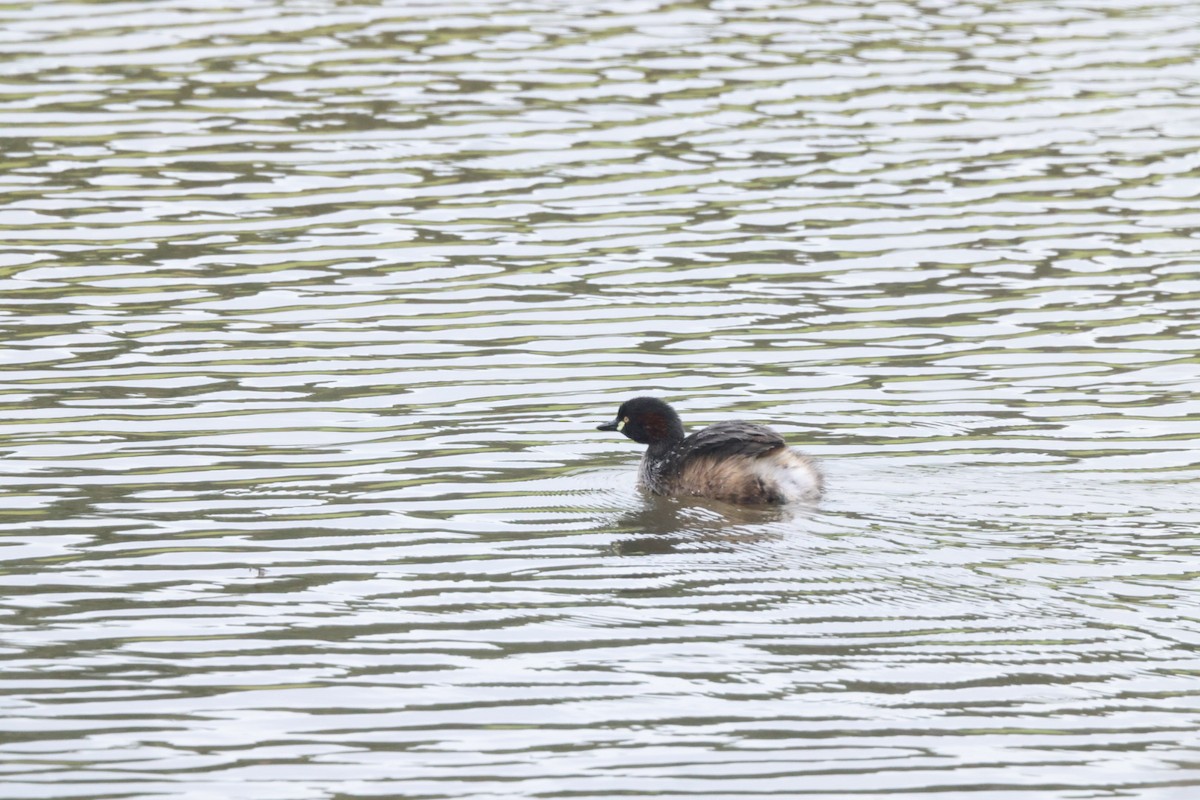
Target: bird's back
column 738, row 462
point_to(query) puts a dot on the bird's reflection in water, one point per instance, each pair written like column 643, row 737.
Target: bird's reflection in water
column 667, row 525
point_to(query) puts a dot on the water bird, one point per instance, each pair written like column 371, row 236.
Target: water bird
column 737, row 462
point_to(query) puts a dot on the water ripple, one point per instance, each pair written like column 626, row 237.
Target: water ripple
column 310, row 311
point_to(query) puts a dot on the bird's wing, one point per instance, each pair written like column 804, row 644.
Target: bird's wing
column 731, row 439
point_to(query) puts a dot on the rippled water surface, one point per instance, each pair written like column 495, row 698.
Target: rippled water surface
column 310, row 309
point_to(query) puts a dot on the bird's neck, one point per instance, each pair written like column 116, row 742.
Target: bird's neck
column 660, row 447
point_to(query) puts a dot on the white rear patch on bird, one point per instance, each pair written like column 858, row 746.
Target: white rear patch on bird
column 791, row 474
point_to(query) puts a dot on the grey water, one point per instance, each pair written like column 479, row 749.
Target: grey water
column 310, row 309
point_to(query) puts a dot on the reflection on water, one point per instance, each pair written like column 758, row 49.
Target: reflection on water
column 666, row 524
column 309, row 311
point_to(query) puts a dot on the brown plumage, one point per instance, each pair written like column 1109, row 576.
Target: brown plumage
column 738, row 462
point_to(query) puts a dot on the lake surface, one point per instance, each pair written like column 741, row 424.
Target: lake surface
column 310, row 310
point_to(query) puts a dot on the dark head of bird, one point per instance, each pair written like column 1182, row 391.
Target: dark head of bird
column 647, row 420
